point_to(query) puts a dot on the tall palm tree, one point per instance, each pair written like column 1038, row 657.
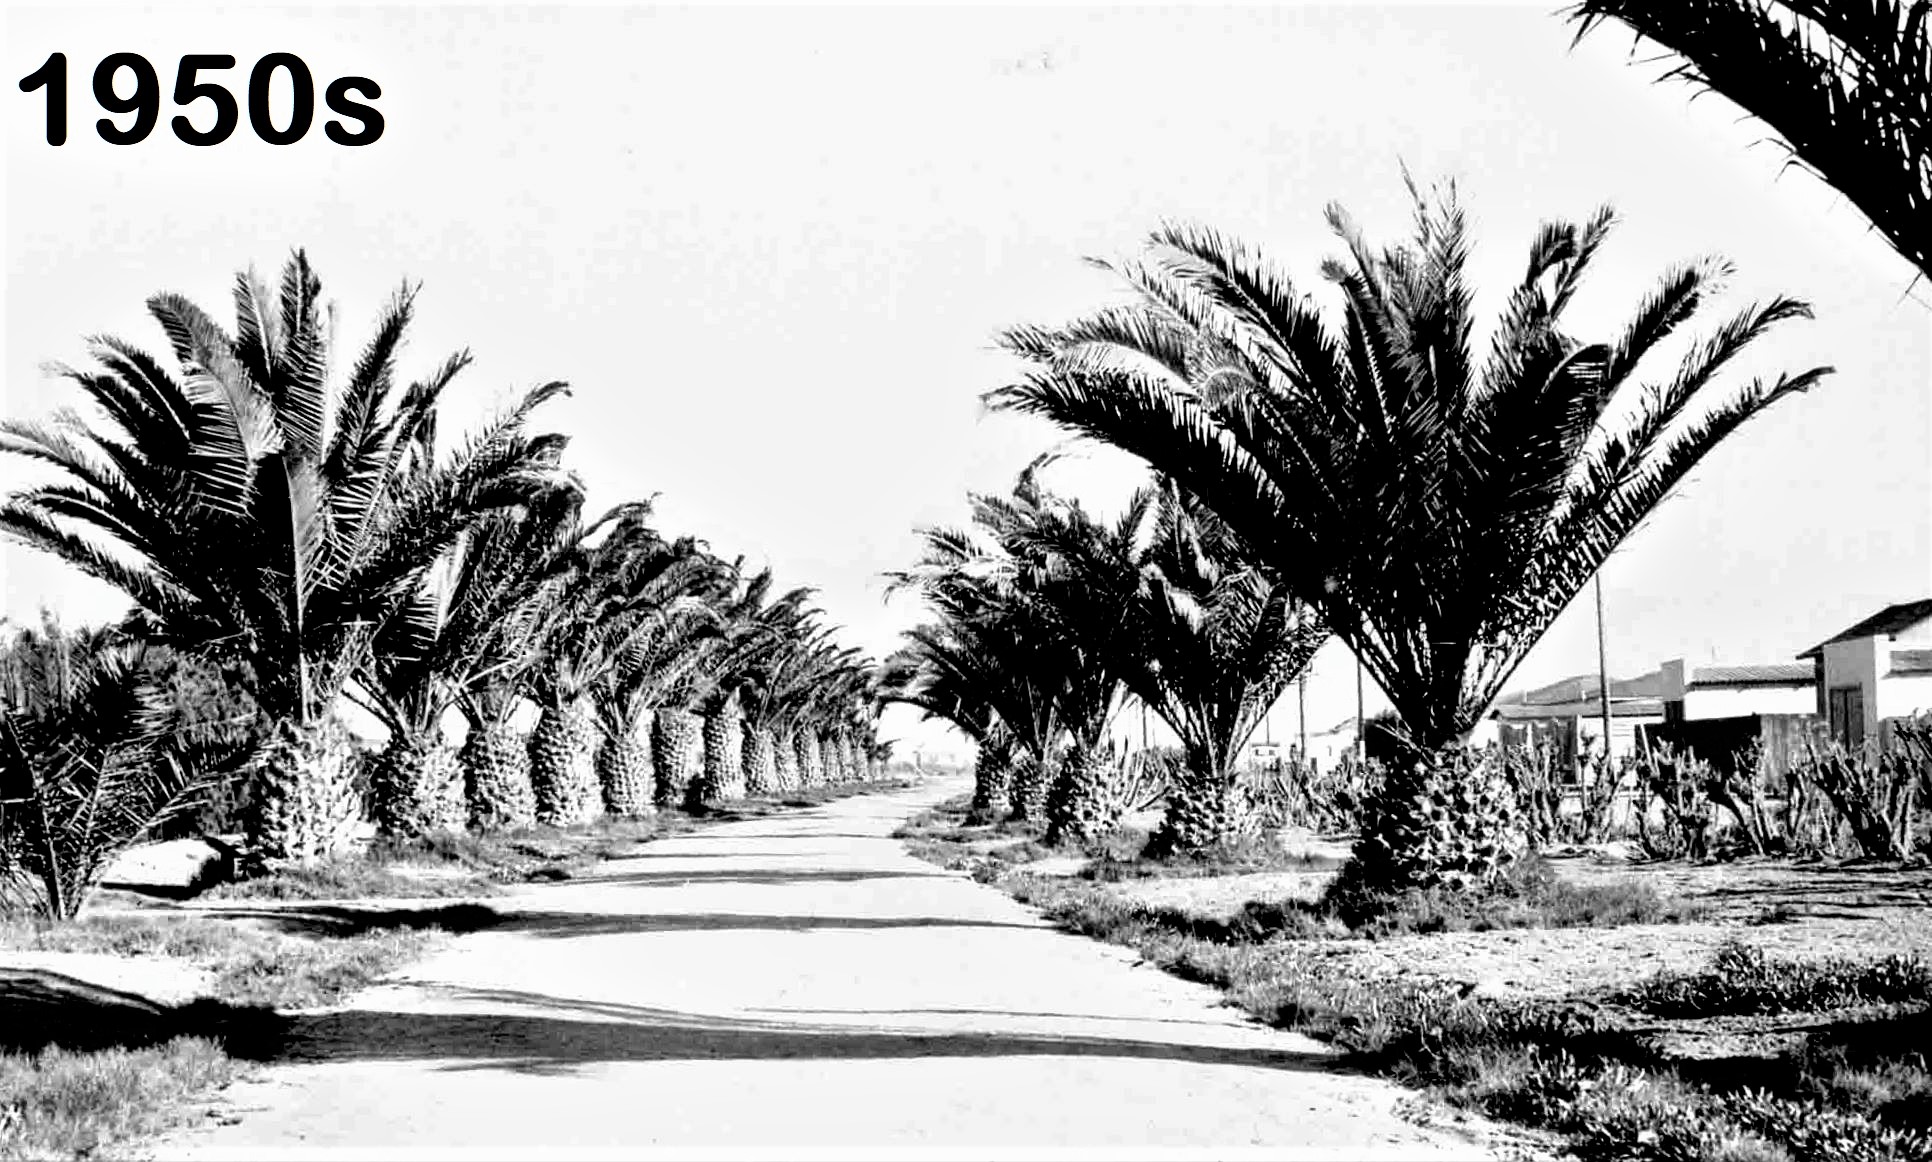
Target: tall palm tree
column 937, row 673
column 611, row 611
column 511, row 572
column 435, row 642
column 756, row 627
column 1086, row 636
column 1436, row 508
column 668, row 633
column 1211, row 640
column 248, row 505
column 1848, row 86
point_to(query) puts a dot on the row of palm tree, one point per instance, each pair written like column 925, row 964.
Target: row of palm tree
column 313, row 537
column 1432, row 499
column 1049, row 619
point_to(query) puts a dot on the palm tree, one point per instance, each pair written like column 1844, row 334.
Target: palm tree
column 940, row 674
column 1848, row 87
column 780, row 693
column 756, row 624
column 620, row 599
column 1087, row 635
column 1210, row 641
column 510, row 573
column 668, row 633
column 94, row 754
column 249, row 506
column 437, row 642
column 1436, row 508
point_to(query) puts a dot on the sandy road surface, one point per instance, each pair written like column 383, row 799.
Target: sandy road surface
column 795, row 985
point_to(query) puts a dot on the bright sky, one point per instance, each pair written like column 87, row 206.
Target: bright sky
column 771, row 249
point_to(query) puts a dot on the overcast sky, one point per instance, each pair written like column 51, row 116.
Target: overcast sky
column 771, row 248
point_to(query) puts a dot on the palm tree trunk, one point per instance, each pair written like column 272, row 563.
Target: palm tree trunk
column 496, row 766
column 992, row 776
column 416, row 787
column 677, row 754
column 811, row 760
column 760, row 761
column 830, row 758
column 625, row 774
column 1203, row 810
column 1443, row 818
column 563, row 764
column 1084, row 804
column 1027, row 792
column 785, row 758
column 306, row 805
column 724, row 762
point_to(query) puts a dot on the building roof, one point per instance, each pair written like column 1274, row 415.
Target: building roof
column 1911, row 662
column 1583, row 688
column 1770, row 674
column 1585, row 708
column 1888, row 621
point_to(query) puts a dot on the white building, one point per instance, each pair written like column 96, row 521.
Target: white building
column 1880, row 668
column 1692, row 693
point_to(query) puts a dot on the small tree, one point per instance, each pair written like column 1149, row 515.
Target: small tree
column 93, row 756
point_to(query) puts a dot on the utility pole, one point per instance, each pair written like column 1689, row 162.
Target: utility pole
column 1361, row 723
column 1301, row 711
column 1603, row 675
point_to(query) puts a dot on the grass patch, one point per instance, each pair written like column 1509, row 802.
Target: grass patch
column 57, row 1104
column 1743, row 981
column 1529, row 895
column 1855, row 1093
column 184, row 937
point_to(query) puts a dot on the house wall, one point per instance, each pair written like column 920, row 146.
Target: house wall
column 1904, row 695
column 1854, row 663
column 1670, row 680
column 1731, row 701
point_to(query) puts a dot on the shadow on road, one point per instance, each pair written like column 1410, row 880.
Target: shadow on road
column 766, row 877
column 562, row 1033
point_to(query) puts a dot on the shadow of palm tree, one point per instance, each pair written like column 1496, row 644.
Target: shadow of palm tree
column 40, row 1009
column 764, row 877
column 552, row 1035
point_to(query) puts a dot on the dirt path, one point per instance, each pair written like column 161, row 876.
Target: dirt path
column 795, row 984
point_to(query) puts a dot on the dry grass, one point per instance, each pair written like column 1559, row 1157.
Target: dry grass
column 57, row 1104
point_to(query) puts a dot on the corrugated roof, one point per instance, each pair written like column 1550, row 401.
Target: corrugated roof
column 1887, row 621
column 1911, row 662
column 1584, row 687
column 1591, row 708
column 1768, row 674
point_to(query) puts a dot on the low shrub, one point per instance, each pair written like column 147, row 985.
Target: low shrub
column 1743, row 981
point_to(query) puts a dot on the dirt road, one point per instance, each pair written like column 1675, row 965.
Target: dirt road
column 789, row 986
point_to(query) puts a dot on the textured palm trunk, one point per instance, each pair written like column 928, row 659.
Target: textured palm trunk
column 677, row 755
column 785, row 744
column 563, row 765
column 624, row 773
column 992, row 779
column 724, row 754
column 416, row 787
column 306, row 804
column 829, row 760
column 854, row 760
column 496, row 778
column 1203, row 811
column 1448, row 819
column 1085, row 802
column 760, row 761
column 1027, row 793
column 811, row 761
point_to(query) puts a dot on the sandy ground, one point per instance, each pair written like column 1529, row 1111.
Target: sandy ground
column 1796, row 910
column 789, row 986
